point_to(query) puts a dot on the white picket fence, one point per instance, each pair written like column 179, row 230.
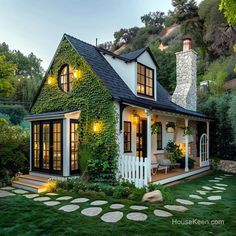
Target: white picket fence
column 134, row 169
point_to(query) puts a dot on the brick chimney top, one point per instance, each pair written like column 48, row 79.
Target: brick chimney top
column 187, row 44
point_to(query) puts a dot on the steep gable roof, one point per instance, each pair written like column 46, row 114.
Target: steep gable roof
column 116, row 86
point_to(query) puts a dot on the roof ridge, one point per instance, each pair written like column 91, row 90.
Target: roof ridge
column 80, row 40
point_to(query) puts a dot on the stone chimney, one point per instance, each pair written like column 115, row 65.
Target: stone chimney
column 185, row 94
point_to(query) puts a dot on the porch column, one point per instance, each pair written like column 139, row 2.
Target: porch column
column 149, row 143
column 30, row 146
column 208, row 139
column 66, row 147
column 186, row 147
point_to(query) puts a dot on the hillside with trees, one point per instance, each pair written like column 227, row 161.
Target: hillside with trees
column 212, row 27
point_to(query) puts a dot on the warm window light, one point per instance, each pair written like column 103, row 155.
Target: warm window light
column 136, row 118
column 77, row 73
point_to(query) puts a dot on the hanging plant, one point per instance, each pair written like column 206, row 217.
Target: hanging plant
column 187, row 131
column 154, row 128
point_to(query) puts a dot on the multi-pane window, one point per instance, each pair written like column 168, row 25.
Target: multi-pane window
column 46, row 146
column 127, row 136
column 65, row 78
column 57, row 146
column 145, row 81
column 159, row 136
column 74, row 139
column 36, row 145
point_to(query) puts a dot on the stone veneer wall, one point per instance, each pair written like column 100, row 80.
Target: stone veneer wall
column 185, row 94
column 193, row 144
column 225, row 165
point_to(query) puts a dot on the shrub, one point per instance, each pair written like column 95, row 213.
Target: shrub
column 16, row 113
column 174, row 151
column 137, row 194
column 14, row 150
column 121, row 192
column 52, row 186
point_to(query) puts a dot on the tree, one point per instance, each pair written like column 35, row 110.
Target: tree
column 125, row 35
column 228, row 7
column 7, row 70
column 154, row 21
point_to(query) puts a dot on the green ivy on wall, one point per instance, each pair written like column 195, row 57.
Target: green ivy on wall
column 91, row 97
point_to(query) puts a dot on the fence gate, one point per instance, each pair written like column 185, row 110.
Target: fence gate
column 204, row 161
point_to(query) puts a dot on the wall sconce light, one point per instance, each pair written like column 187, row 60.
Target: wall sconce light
column 50, row 79
column 77, row 73
column 97, row 126
column 136, row 117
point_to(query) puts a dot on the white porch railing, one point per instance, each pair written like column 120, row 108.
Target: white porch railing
column 134, row 169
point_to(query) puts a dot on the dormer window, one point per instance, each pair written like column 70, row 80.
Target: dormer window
column 65, row 78
column 145, row 81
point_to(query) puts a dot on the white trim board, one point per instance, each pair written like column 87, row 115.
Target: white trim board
column 182, row 176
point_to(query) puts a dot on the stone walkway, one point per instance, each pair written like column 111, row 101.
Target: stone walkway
column 207, row 198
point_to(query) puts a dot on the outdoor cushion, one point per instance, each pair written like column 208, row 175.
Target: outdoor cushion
column 164, row 162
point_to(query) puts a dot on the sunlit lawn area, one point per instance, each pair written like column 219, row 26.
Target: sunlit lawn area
column 21, row 216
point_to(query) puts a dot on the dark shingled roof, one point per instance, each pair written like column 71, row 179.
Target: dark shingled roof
column 116, row 86
column 133, row 55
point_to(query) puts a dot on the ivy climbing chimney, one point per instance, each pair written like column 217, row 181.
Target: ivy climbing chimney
column 185, row 94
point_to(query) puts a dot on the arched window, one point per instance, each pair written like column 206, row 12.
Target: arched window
column 159, row 136
column 65, row 78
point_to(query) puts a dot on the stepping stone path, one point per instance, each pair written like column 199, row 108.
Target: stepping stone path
column 207, row 188
column 80, row 200
column 116, row 206
column 91, row 211
column 206, row 203
column 112, row 217
column 51, row 194
column 69, row 208
column 7, row 188
column 202, row 192
column 218, row 178
column 137, row 216
column 227, row 175
column 217, row 191
column 184, row 202
column 214, row 180
column 31, row 195
column 213, row 198
column 99, row 203
column 41, row 199
column 176, row 208
column 52, row 203
column 220, row 188
column 135, row 207
column 195, row 196
column 20, row 191
column 162, row 213
column 64, row 198
column 222, row 185
column 5, row 194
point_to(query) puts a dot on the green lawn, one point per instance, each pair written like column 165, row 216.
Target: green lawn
column 21, row 216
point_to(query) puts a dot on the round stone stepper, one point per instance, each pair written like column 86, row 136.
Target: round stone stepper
column 214, row 198
column 98, row 203
column 162, row 213
column 206, row 203
column 31, row 195
column 184, row 202
column 42, row 199
column 207, row 188
column 139, row 208
column 20, row 191
column 116, row 206
column 64, row 198
column 51, row 203
column 176, row 208
column 195, row 196
column 112, row 217
column 91, row 211
column 80, row 200
column 137, row 216
column 69, row 208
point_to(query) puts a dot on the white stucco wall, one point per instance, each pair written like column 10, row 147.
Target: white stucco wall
column 128, row 71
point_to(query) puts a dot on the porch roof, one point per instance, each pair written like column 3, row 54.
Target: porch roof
column 53, row 115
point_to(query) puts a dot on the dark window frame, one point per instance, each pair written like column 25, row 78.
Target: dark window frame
column 159, row 135
column 130, row 137
column 145, row 81
column 68, row 80
column 76, row 171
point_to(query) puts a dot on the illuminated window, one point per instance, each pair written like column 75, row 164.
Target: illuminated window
column 74, row 146
column 65, row 78
column 159, row 136
column 145, row 81
column 127, row 136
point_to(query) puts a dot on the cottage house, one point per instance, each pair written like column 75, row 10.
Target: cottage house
column 113, row 103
